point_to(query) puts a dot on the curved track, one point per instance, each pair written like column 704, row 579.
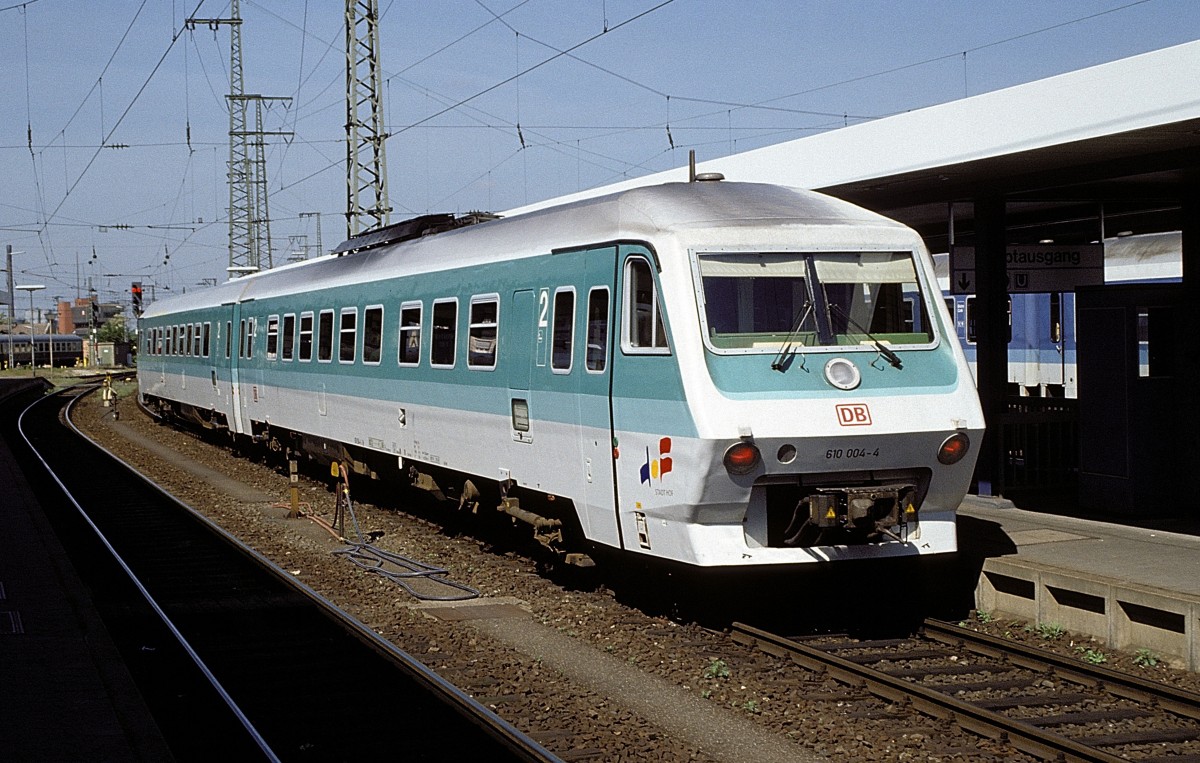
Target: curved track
column 236, row 659
column 1043, row 705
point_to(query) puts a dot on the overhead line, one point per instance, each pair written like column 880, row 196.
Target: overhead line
column 120, row 119
column 18, row 5
column 103, row 71
column 493, row 87
column 534, row 67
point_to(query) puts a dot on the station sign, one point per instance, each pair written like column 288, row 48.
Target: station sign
column 1034, row 268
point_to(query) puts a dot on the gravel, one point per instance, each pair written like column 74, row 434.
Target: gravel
column 595, row 665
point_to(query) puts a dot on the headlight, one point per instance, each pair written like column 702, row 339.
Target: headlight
column 842, row 373
column 953, row 449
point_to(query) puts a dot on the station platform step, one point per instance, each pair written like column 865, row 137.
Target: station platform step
column 1135, row 587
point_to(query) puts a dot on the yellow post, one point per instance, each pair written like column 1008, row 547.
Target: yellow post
column 294, row 478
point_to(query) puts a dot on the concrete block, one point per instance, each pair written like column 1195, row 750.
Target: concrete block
column 1123, row 615
column 1081, row 604
column 1010, row 588
column 1164, row 624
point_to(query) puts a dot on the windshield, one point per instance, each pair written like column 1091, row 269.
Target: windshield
column 762, row 300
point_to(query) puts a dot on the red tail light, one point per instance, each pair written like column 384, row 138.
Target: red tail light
column 742, row 457
column 953, row 449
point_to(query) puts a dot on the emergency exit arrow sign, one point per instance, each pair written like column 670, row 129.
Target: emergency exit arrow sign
column 1035, row 267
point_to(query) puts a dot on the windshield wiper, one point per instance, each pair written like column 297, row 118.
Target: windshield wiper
column 802, row 315
column 891, row 357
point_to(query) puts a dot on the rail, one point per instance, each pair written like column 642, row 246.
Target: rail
column 271, row 647
column 904, row 662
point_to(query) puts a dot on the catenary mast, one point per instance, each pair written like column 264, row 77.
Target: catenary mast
column 366, row 168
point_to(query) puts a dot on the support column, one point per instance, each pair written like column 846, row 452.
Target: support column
column 991, row 331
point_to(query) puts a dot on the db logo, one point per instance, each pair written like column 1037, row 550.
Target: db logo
column 854, row 415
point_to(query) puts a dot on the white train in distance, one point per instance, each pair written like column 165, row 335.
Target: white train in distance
column 1041, row 346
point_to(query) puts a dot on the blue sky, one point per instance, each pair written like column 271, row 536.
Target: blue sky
column 716, row 77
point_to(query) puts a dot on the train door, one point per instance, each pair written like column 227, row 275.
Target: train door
column 593, row 398
column 522, row 351
column 648, row 409
column 1056, row 333
column 232, row 352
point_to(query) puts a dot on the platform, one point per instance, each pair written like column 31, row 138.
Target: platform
column 1134, row 587
column 67, row 695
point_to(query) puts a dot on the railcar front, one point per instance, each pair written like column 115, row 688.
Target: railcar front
column 824, row 408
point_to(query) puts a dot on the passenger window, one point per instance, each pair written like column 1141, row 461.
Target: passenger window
column 348, row 334
column 445, row 318
column 563, row 331
column 372, row 334
column 242, row 340
column 971, row 333
column 306, row 336
column 187, row 346
column 196, row 340
column 644, row 330
column 207, row 336
column 481, row 337
column 1157, row 342
column 1055, row 317
column 409, row 353
column 250, row 332
column 289, row 336
column 228, row 339
column 1009, row 339
column 597, row 330
column 325, row 337
column 272, row 337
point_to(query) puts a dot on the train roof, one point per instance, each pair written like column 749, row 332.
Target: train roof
column 646, row 213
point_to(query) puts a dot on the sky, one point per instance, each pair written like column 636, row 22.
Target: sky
column 114, row 137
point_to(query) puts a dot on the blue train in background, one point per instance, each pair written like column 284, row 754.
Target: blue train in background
column 64, row 350
column 1041, row 326
column 716, row 374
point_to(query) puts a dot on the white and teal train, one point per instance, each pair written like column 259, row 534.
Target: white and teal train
column 719, row 374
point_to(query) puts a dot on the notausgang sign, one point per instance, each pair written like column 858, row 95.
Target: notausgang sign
column 1040, row 267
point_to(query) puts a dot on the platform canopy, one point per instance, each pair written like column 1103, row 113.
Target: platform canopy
column 1119, row 139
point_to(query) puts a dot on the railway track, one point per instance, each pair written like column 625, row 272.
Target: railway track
column 1041, row 704
column 236, row 658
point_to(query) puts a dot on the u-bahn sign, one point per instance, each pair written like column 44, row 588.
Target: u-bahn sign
column 1034, row 268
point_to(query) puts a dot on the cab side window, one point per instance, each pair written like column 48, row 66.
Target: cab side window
column 643, row 330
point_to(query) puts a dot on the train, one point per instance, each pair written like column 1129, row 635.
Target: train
column 62, row 349
column 710, row 373
column 1041, row 326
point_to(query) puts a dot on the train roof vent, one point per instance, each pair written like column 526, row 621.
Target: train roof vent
column 407, row 230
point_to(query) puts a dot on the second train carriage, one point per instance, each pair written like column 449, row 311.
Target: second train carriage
column 720, row 374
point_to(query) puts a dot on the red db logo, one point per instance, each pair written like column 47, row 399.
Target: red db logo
column 854, row 415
